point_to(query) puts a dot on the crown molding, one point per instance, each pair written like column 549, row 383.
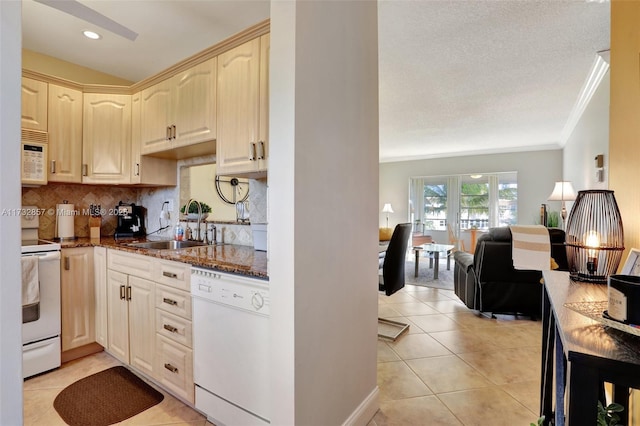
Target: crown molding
column 248, row 34
column 599, row 69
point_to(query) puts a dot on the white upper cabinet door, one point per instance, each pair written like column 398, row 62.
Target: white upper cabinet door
column 65, row 134
column 238, row 108
column 107, row 139
column 195, row 104
column 34, row 104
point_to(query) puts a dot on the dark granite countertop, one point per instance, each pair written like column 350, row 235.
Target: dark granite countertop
column 231, row 258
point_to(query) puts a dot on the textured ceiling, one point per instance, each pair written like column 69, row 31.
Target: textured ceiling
column 456, row 77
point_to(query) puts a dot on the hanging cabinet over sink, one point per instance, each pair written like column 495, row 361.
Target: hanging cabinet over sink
column 243, row 79
column 180, row 112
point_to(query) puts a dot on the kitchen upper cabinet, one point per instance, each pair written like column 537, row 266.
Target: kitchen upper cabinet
column 243, row 81
column 34, row 104
column 77, row 297
column 131, row 320
column 180, row 111
column 106, row 150
column 147, row 170
column 65, row 134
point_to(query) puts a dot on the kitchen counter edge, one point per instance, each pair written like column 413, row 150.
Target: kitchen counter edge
column 229, row 258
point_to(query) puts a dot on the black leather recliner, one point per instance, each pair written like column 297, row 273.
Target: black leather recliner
column 487, row 281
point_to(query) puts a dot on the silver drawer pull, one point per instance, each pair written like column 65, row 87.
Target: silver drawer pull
column 169, row 301
column 171, row 368
column 170, row 274
column 170, row 328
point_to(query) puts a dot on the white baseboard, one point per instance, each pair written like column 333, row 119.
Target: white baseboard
column 368, row 408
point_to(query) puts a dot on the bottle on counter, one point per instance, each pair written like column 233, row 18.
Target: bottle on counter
column 178, row 234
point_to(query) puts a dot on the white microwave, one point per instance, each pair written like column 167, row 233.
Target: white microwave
column 33, row 163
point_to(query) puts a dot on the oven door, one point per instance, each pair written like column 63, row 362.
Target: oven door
column 45, row 323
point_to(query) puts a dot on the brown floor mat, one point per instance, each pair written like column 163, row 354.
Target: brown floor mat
column 105, row 398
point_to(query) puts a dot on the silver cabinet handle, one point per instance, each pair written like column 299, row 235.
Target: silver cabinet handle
column 137, row 169
column 173, row 131
column 252, row 151
column 170, row 328
column 53, row 166
column 128, row 292
column 171, row 368
column 168, row 133
column 169, row 301
column 122, row 292
column 85, row 170
column 67, row 264
column 261, row 150
column 169, row 274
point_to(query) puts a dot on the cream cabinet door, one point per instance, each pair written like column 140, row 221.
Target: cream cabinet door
column 100, row 280
column 106, row 150
column 65, row 134
column 263, row 125
column 77, row 297
column 117, row 315
column 142, row 328
column 147, row 170
column 34, row 104
column 238, row 108
column 194, row 103
column 156, row 118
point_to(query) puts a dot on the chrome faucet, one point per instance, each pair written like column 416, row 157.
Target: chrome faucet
column 186, row 210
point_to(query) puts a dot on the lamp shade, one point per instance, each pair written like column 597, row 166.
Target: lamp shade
column 594, row 237
column 387, row 208
column 563, row 191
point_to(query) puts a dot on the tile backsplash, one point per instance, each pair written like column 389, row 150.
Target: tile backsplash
column 81, row 195
column 46, row 197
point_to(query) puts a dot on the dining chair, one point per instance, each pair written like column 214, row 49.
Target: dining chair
column 392, row 277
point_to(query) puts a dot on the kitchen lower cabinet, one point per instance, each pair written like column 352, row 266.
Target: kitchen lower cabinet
column 100, row 279
column 149, row 318
column 131, row 320
column 77, row 297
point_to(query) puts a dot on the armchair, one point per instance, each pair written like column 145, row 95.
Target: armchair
column 392, row 278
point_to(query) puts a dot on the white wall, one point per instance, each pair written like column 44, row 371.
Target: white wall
column 589, row 138
column 323, row 177
column 537, row 173
column 10, row 311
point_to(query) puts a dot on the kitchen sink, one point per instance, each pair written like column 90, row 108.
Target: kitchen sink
column 166, row 244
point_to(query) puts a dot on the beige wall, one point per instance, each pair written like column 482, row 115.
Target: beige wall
column 49, row 65
column 624, row 132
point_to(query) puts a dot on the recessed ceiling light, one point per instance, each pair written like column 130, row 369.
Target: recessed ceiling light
column 475, row 176
column 92, row 35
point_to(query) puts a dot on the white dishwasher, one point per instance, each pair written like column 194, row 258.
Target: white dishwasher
column 231, row 347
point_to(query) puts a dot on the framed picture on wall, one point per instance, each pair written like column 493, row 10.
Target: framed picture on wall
column 632, row 264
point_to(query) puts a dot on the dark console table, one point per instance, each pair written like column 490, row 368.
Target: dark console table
column 587, row 354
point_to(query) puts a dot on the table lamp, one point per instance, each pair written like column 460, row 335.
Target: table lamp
column 387, row 209
column 594, row 237
column 563, row 191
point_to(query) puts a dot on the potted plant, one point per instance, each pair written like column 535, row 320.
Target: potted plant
column 193, row 210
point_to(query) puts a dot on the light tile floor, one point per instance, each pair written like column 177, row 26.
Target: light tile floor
column 454, row 367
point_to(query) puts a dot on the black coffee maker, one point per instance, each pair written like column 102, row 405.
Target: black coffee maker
column 130, row 220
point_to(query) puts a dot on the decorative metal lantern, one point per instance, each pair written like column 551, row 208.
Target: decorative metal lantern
column 594, row 237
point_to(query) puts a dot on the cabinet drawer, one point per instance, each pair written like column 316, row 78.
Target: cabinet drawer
column 174, row 301
column 173, row 327
column 175, row 367
column 130, row 263
column 174, row 274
